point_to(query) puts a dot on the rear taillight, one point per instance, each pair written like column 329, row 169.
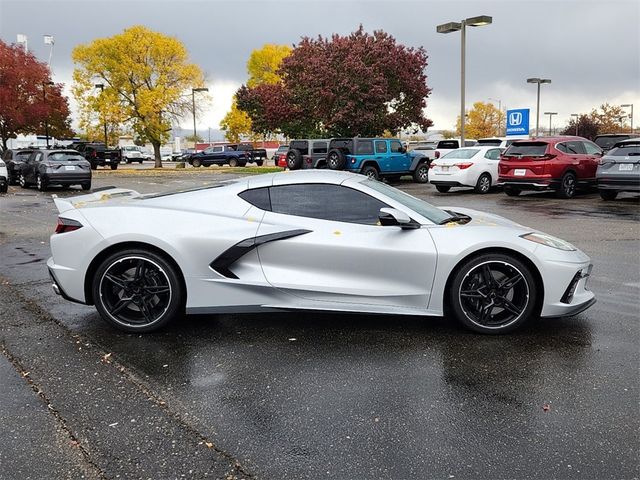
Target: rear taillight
column 437, row 154
column 463, row 165
column 67, row 225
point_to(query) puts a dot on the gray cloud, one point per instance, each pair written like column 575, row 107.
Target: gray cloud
column 590, row 49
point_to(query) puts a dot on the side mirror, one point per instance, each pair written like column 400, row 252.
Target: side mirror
column 393, row 217
column 403, row 149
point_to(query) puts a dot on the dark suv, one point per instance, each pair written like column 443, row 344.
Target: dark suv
column 307, row 153
column 55, row 167
column 14, row 159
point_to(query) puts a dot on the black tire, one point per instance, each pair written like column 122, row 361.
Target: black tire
column 568, row 186
column 294, row 159
column 196, row 163
column 94, row 166
column 608, row 194
column 114, row 166
column 4, row 188
column 370, row 171
column 233, row 162
column 140, row 162
column 13, row 178
column 336, row 159
column 41, row 184
column 22, row 180
column 137, row 291
column 86, row 186
column 492, row 293
column 512, row 192
column 259, row 162
column 483, row 185
column 127, row 161
column 421, row 173
column 443, row 188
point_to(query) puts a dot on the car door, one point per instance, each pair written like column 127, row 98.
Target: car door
column 593, row 155
column 492, row 159
column 339, row 253
column 399, row 160
column 31, row 167
column 577, row 156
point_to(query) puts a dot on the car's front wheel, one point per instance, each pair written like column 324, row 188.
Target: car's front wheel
column 137, row 291
column 608, row 194
column 233, row 162
column 196, row 163
column 493, row 293
column 41, row 183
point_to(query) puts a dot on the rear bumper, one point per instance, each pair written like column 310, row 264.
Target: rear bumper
column 446, row 183
column 55, row 283
column 67, row 179
column 529, row 183
column 625, row 183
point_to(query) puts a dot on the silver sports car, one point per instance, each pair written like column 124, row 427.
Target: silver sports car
column 307, row 240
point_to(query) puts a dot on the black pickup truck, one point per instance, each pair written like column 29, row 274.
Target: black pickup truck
column 257, row 155
column 98, row 154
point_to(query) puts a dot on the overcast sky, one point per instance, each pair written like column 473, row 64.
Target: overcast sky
column 590, row 49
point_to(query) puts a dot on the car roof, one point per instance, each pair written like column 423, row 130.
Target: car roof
column 300, row 176
column 633, row 135
column 479, row 147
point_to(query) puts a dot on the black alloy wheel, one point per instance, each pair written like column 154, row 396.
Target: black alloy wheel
column 137, row 291
column 493, row 293
column 567, row 186
column 484, row 184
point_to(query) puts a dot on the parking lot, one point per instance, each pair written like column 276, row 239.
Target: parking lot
column 323, row 395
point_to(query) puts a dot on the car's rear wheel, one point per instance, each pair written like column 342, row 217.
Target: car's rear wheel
column 443, row 188
column 567, row 187
column 512, row 192
column 421, row 174
column 22, row 180
column 196, row 163
column 86, row 186
column 336, row 159
column 114, row 166
column 493, row 293
column 370, row 171
column 259, row 162
column 137, row 291
column 233, row 162
column 294, row 159
column 41, row 183
column 608, row 194
column 483, row 185
column 4, row 188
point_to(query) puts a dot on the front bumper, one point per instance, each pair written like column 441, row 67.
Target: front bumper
column 566, row 291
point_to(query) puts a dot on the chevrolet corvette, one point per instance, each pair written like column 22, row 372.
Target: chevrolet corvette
column 314, row 240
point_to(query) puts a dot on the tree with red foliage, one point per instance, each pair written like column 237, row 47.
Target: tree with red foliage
column 359, row 84
column 29, row 100
column 587, row 127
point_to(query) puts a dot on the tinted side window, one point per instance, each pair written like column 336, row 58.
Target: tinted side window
column 591, row 149
column 364, row 147
column 319, row 147
column 258, row 197
column 381, row 146
column 574, row 147
column 396, row 146
column 493, row 154
column 326, row 202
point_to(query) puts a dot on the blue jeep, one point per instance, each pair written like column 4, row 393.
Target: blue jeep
column 377, row 158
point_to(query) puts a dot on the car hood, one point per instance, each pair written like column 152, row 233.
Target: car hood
column 485, row 219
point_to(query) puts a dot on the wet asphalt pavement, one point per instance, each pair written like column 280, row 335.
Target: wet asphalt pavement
column 321, row 395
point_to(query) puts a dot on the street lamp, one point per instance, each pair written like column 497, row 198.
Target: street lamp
column 193, row 102
column 454, row 27
column 500, row 115
column 49, row 40
column 629, row 105
column 46, row 118
column 539, row 81
column 106, row 138
column 577, row 117
column 22, row 39
column 551, row 114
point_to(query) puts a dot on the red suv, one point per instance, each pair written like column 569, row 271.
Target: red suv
column 562, row 164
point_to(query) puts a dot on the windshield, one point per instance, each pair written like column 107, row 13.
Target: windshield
column 65, row 157
column 462, row 153
column 421, row 207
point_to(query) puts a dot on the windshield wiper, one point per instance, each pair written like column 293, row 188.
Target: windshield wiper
column 455, row 217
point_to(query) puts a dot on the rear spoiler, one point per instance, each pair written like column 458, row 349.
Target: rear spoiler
column 102, row 195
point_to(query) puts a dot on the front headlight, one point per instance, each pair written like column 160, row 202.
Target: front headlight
column 549, row 241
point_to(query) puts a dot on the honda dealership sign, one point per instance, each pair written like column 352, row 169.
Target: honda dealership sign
column 518, row 122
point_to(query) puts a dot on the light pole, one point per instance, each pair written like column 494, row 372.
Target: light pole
column 22, row 39
column 193, row 103
column 577, row 117
column 551, row 114
column 629, row 105
column 462, row 26
column 49, row 40
column 539, row 81
column 46, row 118
column 500, row 115
column 106, row 138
